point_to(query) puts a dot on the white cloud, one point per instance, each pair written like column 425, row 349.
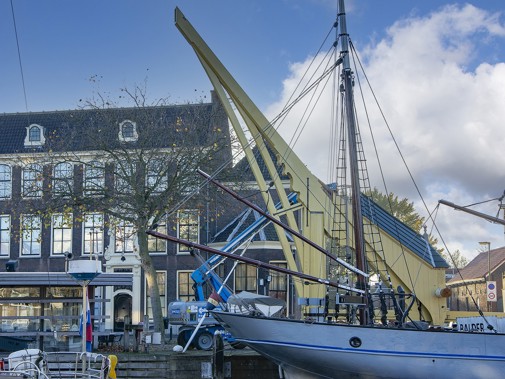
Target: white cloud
column 446, row 109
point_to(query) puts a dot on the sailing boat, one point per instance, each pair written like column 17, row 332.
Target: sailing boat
column 326, row 347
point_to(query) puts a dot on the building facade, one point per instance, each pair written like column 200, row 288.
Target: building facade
column 65, row 185
column 469, row 285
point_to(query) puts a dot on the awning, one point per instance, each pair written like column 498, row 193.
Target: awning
column 30, row 279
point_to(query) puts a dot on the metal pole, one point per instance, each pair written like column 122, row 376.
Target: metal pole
column 488, row 245
column 489, row 305
column 84, row 322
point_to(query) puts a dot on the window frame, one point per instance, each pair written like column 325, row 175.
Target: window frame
column 37, row 241
column 182, row 249
column 5, row 181
column 154, row 181
column 190, row 296
column 63, row 179
column 32, row 173
column 158, row 242
column 124, row 241
column 130, row 137
column 247, row 277
column 94, row 179
column 63, row 225
column 5, row 236
column 34, row 142
column 94, row 222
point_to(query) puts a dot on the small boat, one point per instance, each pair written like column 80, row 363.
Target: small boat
column 359, row 339
column 36, row 364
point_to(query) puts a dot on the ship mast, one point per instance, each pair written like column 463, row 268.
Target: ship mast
column 357, row 218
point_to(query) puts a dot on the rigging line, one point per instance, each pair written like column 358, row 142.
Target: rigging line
column 482, row 202
column 19, row 58
column 271, row 123
column 462, row 279
column 289, row 103
column 333, row 141
column 393, row 138
column 308, row 68
column 356, row 59
column 299, row 130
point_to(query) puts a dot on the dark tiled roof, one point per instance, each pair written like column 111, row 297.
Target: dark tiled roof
column 60, row 125
column 391, row 225
column 478, row 268
column 401, row 232
column 242, row 169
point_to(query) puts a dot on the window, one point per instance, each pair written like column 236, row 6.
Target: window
column 94, row 178
column 246, row 278
column 156, row 177
column 187, row 227
column 158, row 245
column 34, row 136
column 63, row 179
column 18, row 316
column 32, row 181
column 93, row 233
column 161, row 278
column 185, row 290
column 5, row 235
column 61, row 234
column 5, row 181
column 125, row 237
column 31, row 228
column 128, row 131
column 278, row 287
column 125, row 176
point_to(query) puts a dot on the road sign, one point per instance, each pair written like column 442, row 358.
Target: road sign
column 491, row 291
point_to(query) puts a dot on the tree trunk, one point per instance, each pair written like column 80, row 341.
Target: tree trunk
column 150, row 274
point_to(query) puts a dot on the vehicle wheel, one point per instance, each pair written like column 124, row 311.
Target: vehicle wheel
column 182, row 340
column 204, row 341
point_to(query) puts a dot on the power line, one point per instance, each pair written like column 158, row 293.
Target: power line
column 19, row 56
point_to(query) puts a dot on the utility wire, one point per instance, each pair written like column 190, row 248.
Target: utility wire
column 19, row 56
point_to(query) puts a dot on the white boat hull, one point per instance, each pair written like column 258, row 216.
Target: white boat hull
column 319, row 350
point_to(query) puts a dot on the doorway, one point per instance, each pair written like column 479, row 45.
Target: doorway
column 122, row 309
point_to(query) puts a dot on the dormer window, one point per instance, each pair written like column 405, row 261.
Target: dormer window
column 34, row 135
column 128, row 131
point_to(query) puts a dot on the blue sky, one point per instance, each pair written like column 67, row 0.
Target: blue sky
column 439, row 68
column 65, row 43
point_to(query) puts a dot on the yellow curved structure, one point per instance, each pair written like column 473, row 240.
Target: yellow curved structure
column 315, row 223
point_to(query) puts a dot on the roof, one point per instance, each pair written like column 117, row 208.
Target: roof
column 402, row 233
column 242, row 170
column 61, row 279
column 85, row 124
column 478, row 268
column 390, row 224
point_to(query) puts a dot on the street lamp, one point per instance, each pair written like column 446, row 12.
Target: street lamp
column 488, row 245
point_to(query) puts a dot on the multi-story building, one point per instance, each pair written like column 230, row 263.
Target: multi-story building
column 59, row 174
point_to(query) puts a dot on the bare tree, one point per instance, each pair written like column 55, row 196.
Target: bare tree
column 134, row 164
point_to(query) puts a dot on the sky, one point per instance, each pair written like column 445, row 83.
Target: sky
column 437, row 69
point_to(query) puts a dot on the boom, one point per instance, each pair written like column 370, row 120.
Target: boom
column 315, row 198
